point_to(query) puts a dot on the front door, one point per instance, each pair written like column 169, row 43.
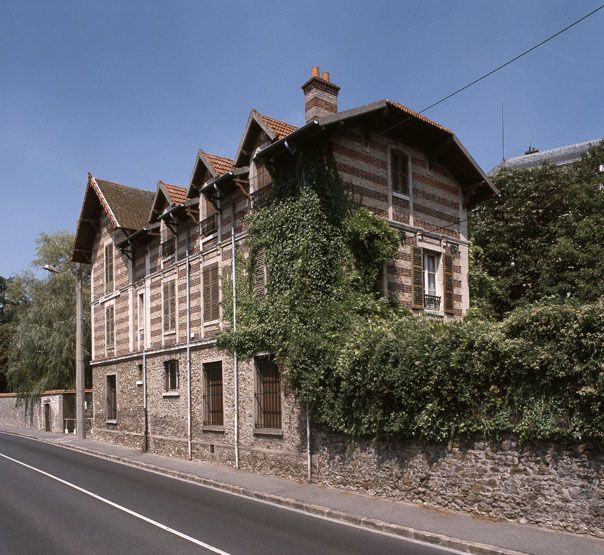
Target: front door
column 47, row 417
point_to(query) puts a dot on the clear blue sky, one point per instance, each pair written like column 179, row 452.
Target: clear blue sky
column 131, row 90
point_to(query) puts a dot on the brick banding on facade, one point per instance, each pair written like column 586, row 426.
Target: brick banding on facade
column 362, row 159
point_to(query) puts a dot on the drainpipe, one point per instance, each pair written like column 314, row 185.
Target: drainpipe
column 189, row 432
column 145, row 410
column 308, row 455
column 235, row 367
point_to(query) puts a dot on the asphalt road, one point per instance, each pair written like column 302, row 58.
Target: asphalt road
column 54, row 500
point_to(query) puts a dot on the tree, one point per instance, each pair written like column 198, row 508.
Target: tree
column 42, row 351
column 544, row 234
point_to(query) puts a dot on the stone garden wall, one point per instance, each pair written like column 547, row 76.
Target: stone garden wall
column 546, row 484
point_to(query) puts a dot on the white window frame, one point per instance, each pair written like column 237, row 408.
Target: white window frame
column 108, row 348
column 141, row 318
column 171, row 391
column 394, row 193
column 108, row 291
column 438, row 279
column 164, row 282
column 111, row 420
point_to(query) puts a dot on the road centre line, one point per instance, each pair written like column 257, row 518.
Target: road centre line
column 121, row 508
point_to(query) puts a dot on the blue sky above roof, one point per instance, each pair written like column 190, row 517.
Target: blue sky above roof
column 132, row 90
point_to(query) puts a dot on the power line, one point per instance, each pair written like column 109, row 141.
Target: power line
column 488, row 74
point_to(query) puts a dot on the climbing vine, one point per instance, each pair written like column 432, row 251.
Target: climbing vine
column 367, row 367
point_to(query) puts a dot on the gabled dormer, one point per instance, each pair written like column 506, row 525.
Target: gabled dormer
column 124, row 208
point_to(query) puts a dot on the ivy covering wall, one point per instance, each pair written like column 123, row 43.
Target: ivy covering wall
column 367, row 367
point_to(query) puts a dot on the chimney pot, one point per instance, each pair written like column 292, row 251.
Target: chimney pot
column 320, row 95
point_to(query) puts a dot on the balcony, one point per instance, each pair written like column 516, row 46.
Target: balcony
column 432, row 303
column 262, row 197
column 209, row 225
column 168, row 248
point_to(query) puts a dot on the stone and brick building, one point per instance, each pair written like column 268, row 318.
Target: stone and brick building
column 157, row 262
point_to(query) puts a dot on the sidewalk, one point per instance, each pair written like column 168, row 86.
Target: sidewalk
column 454, row 530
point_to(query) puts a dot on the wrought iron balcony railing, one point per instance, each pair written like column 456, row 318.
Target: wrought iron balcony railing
column 168, row 248
column 432, row 302
column 262, row 197
column 209, row 225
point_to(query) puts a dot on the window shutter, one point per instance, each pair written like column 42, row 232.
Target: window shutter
column 207, row 302
column 166, row 308
column 448, row 285
column 172, row 305
column 259, row 269
column 395, row 174
column 417, row 259
column 215, row 292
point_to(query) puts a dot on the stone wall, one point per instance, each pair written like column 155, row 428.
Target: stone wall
column 13, row 414
column 546, row 484
column 61, row 405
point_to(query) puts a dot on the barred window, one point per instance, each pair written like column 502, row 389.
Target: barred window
column 399, row 172
column 212, row 394
column 169, row 290
column 109, row 268
column 109, row 326
column 268, row 393
column 111, row 391
column 211, row 292
column 171, row 374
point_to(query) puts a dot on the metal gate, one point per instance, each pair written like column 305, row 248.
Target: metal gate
column 47, row 417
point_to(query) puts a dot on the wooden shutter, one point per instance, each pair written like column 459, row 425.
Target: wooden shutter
column 417, row 260
column 207, row 301
column 169, row 306
column 259, row 273
column 211, row 290
column 448, row 285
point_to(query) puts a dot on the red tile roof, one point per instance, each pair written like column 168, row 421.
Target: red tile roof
column 221, row 164
column 177, row 194
column 280, row 128
column 129, row 205
column 417, row 115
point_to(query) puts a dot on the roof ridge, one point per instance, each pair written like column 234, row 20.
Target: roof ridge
column 133, row 187
column 557, row 148
column 416, row 114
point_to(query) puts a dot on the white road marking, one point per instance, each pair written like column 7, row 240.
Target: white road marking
column 121, row 508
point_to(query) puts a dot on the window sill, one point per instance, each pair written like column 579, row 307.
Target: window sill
column 212, row 428
column 168, row 333
column 434, row 313
column 171, row 394
column 401, row 196
column 108, row 296
column 139, row 382
column 275, row 432
column 211, row 323
column 111, row 421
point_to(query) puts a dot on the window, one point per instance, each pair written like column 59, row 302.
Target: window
column 259, row 175
column 211, row 291
column 139, row 374
column 171, row 370
column 109, row 268
column 169, row 290
column 111, row 390
column 168, row 241
column 431, row 289
column 399, row 172
column 109, row 327
column 268, row 394
column 260, row 273
column 141, row 320
column 212, row 394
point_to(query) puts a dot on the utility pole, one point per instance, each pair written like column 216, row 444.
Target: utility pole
column 80, row 377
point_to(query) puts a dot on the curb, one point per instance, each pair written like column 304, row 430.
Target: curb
column 319, row 510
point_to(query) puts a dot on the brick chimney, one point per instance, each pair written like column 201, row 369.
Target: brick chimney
column 320, row 95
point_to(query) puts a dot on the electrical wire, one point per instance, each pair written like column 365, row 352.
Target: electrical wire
column 499, row 67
